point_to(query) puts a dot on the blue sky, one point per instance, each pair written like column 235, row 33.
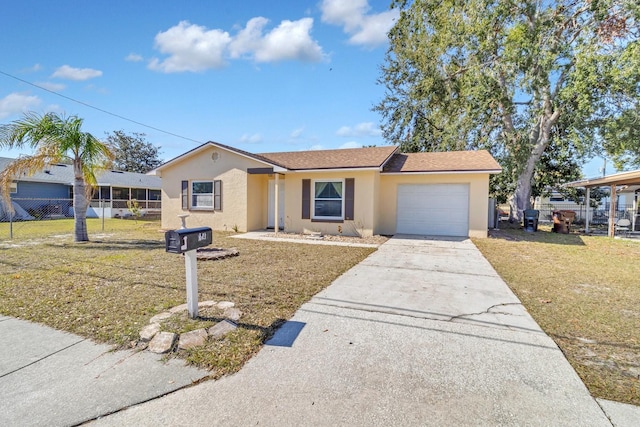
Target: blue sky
column 261, row 76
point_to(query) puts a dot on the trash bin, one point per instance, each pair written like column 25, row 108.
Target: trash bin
column 531, row 220
column 562, row 220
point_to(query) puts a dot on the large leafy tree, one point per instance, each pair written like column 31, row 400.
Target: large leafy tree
column 133, row 153
column 532, row 81
column 56, row 139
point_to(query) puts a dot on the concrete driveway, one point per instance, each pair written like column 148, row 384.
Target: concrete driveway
column 423, row 332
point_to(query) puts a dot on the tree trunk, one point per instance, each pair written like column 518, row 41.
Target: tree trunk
column 539, row 138
column 80, row 205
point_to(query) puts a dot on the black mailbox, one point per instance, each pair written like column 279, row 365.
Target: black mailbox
column 187, row 239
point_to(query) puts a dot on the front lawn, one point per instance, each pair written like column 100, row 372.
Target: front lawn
column 584, row 291
column 109, row 288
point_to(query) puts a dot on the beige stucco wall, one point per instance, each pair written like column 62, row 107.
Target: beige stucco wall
column 257, row 202
column 228, row 167
column 478, row 198
column 364, row 204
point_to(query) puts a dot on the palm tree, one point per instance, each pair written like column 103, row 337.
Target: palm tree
column 55, row 139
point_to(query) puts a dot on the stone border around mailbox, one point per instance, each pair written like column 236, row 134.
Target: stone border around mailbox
column 152, row 337
column 212, row 254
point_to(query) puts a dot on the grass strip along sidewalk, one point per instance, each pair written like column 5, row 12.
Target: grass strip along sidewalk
column 584, row 291
column 109, row 288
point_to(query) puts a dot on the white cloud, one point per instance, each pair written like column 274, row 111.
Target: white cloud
column 190, row 48
column 133, row 57
column 351, row 144
column 34, row 68
column 56, row 87
column 317, row 147
column 251, row 139
column 77, row 74
column 289, row 41
column 364, row 29
column 361, row 129
column 16, row 103
column 296, row 133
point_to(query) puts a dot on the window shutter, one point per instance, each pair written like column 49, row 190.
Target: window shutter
column 217, row 195
column 306, row 199
column 185, row 195
column 349, row 198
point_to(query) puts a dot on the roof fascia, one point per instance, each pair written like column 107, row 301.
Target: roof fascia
column 158, row 171
column 615, row 179
column 332, row 170
column 489, row 171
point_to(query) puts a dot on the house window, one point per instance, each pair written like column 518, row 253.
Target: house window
column 206, row 195
column 120, row 193
column 202, row 194
column 328, row 200
column 13, row 187
column 139, row 193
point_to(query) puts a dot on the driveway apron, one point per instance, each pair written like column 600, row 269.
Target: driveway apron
column 422, row 332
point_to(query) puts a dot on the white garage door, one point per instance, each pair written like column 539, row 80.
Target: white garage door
column 434, row 209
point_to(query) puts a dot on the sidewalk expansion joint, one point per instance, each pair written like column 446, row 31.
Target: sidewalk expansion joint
column 42, row 358
column 430, row 270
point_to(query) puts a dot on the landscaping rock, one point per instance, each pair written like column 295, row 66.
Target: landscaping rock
column 206, row 304
column 212, row 254
column 192, row 339
column 160, row 317
column 233, row 314
column 149, row 331
column 223, row 305
column 162, row 342
column 178, row 308
column 221, row 329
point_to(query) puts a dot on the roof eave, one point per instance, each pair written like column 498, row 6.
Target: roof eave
column 467, row 171
column 623, row 178
column 158, row 171
column 349, row 169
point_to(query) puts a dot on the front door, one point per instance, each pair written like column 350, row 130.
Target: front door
column 272, row 203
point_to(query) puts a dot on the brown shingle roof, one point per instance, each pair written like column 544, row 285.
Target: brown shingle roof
column 450, row 161
column 371, row 157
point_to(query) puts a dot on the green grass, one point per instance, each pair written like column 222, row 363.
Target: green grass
column 584, row 291
column 109, row 288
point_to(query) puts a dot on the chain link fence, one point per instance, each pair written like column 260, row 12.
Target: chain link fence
column 599, row 216
column 41, row 217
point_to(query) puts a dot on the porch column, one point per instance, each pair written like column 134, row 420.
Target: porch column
column 635, row 212
column 276, row 197
column 612, row 212
column 587, row 210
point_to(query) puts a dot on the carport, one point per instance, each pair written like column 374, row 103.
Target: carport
column 627, row 182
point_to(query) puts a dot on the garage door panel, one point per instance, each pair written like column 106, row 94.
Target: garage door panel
column 433, row 209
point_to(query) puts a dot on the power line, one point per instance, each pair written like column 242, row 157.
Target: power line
column 98, row 109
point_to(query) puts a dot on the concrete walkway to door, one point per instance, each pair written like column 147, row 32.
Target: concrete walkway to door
column 422, row 332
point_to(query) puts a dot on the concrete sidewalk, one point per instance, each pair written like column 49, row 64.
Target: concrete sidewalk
column 52, row 378
column 423, row 332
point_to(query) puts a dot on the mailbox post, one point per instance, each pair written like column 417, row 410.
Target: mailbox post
column 187, row 241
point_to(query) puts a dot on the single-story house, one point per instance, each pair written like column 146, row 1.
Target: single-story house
column 50, row 192
column 361, row 191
